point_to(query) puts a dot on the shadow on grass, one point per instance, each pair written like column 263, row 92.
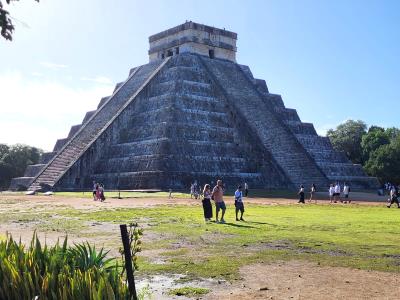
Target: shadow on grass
column 237, row 225
column 259, row 223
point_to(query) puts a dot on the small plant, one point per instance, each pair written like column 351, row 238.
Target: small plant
column 135, row 233
column 188, row 291
column 145, row 293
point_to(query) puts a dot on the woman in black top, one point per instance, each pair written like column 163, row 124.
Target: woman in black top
column 207, row 208
column 301, row 194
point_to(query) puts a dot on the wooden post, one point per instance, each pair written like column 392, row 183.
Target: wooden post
column 128, row 261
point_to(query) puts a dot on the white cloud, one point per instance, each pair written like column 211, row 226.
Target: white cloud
column 37, row 74
column 53, row 66
column 38, row 112
column 98, row 79
column 322, row 130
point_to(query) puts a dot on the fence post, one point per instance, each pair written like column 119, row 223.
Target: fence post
column 128, row 261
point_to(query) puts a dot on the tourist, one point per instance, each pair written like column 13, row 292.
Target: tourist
column 346, row 192
column 196, row 192
column 191, row 190
column 301, row 194
column 246, row 189
column 207, row 207
column 218, row 196
column 97, row 191
column 101, row 192
column 312, row 191
column 336, row 194
column 393, row 197
column 239, row 206
column 331, row 192
column 94, row 190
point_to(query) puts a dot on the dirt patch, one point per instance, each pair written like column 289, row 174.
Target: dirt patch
column 305, row 280
column 25, row 202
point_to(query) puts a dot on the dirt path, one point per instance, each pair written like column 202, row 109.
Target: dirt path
column 304, row 280
column 87, row 203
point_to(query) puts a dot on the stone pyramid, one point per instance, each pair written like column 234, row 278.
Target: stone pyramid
column 191, row 113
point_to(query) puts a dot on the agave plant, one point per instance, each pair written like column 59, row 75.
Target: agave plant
column 85, row 257
column 58, row 272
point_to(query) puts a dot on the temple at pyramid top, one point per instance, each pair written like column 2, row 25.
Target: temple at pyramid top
column 193, row 38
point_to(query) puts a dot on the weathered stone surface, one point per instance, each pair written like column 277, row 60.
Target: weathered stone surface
column 190, row 117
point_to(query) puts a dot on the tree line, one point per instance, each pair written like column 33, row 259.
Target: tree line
column 377, row 149
column 13, row 161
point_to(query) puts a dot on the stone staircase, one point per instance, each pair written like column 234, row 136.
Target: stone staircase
column 335, row 165
column 182, row 131
column 275, row 135
column 74, row 147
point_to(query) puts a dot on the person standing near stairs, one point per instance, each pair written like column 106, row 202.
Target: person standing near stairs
column 94, row 190
column 301, row 194
column 217, row 195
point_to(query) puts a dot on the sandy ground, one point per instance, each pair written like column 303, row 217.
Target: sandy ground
column 304, row 280
column 281, row 280
column 87, row 203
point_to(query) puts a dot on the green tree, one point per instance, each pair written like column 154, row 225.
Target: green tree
column 4, row 149
column 372, row 141
column 374, row 128
column 384, row 162
column 393, row 133
column 6, row 25
column 5, row 174
column 347, row 138
column 14, row 160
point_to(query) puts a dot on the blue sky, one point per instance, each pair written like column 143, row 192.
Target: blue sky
column 331, row 60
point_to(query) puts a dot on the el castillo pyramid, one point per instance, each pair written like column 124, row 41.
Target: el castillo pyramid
column 191, row 113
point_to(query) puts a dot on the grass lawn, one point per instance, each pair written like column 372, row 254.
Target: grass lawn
column 357, row 236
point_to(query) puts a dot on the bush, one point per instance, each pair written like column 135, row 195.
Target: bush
column 58, row 272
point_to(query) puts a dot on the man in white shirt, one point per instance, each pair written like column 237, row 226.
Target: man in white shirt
column 239, row 206
column 331, row 192
column 246, row 189
column 346, row 191
column 337, row 192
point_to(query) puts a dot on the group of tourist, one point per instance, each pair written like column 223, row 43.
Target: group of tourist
column 98, row 192
column 217, row 195
column 335, row 191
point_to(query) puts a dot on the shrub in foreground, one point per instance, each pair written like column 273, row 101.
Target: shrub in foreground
column 58, row 272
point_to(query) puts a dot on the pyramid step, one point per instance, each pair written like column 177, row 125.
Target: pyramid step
column 71, row 151
column 242, row 94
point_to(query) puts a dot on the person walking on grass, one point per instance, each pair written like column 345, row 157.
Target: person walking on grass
column 94, row 190
column 301, row 194
column 393, row 197
column 97, row 191
column 191, row 190
column 218, row 196
column 101, row 192
column 312, row 191
column 239, row 206
column 337, row 191
column 207, row 207
column 246, row 189
column 346, row 192
column 331, row 192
